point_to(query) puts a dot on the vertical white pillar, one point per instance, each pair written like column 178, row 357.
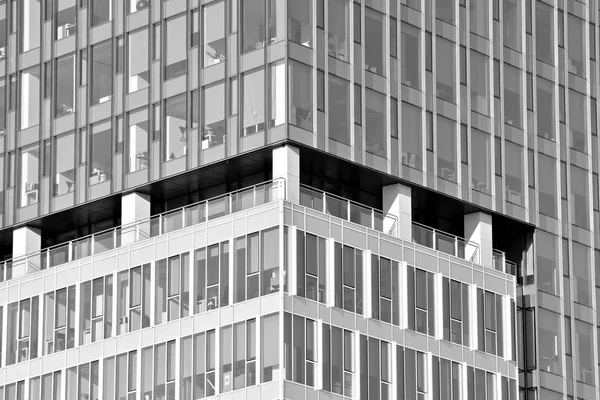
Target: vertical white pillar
column 478, row 229
column 293, row 261
column 403, row 289
column 439, row 305
column 286, row 164
column 134, row 207
column 26, row 240
column 330, row 272
column 397, row 201
column 368, row 284
column 473, row 318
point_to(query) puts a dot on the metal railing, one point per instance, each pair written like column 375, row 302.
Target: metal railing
column 445, row 242
column 156, row 225
column 500, row 263
column 348, row 210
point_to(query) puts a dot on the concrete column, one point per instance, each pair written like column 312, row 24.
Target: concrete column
column 478, row 229
column 134, row 207
column 26, row 240
column 286, row 164
column 397, row 201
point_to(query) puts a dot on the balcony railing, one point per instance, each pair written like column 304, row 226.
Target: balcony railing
column 502, row 264
column 445, row 242
column 348, row 210
column 156, row 225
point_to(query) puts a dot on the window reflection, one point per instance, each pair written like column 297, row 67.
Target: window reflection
column 339, row 109
column 375, row 42
column 64, row 164
column 254, row 102
column 301, row 95
column 481, row 161
column 31, row 15
column 65, row 19
column 29, row 163
column 253, row 25
column 339, row 29
column 138, row 157
column 137, row 62
column 214, row 33
column 30, row 98
column 214, row 132
column 65, row 86
column 300, row 22
column 176, row 53
column 101, row 11
column 175, row 127
column 102, row 73
column 446, row 149
column 376, row 129
column 101, row 151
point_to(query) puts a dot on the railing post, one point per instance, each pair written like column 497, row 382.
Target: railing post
column 183, row 210
column 324, row 210
column 114, row 235
column 434, row 241
column 456, row 246
column 160, row 224
column 70, row 255
column 373, row 219
column 92, row 245
column 348, row 210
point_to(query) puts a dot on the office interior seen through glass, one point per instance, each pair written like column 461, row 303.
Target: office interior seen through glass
column 290, row 199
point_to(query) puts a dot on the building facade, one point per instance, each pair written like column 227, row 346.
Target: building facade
column 301, row 199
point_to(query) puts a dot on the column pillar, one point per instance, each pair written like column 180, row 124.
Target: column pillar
column 26, row 240
column 397, row 201
column 286, row 164
column 134, row 207
column 478, row 229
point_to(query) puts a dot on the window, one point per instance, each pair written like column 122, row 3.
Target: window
column 576, row 46
column 175, row 128
column 22, row 330
column 446, row 149
column 456, row 311
column 421, row 303
column 48, row 386
column 31, row 17
column 547, row 262
column 447, row 379
column 300, row 352
column 101, row 12
column 101, row 151
column 339, row 29
column 544, row 35
column 176, row 52
column 480, row 83
column 30, row 96
column 411, row 373
column 3, row 37
column 479, row 18
column 411, row 66
column 338, row 360
column 412, row 136
column 514, row 165
column 120, row 375
column 64, row 164
column 96, row 317
column 348, row 286
column 269, row 344
column 339, row 109
column 545, row 109
column 197, row 366
column 301, row 94
column 300, row 22
column 582, row 275
column 547, row 185
column 238, row 356
column 136, row 5
column 444, row 10
column 375, row 368
column 512, row 23
column 137, row 62
column 254, row 102
column 276, row 21
column 579, row 197
column 278, row 96
column 311, row 267
column 376, row 127
column 585, row 357
column 375, row 29
column 64, row 101
column 550, row 342
column 65, row 19
column 214, row 33
column 481, row 160
column 2, row 106
column 136, row 141
column 59, row 320
column 172, row 288
column 29, row 164
column 577, row 120
column 253, row 25
column 385, row 301
column 101, row 73
column 211, row 277
column 446, row 69
column 489, row 327
column 215, row 127
column 133, row 299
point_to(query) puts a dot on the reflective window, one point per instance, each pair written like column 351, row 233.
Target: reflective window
column 172, row 295
column 137, row 61
column 375, row 368
column 214, row 33
column 276, row 21
column 547, row 185
column 583, row 344
column 301, row 95
column 30, row 98
column 480, row 83
column 339, row 29
column 376, row 128
column 59, row 320
column 175, row 128
column 448, row 379
column 22, row 330
column 479, row 18
column 481, row 161
column 299, row 349
column 277, row 96
column 490, row 322
column 446, row 148
column 385, row 299
column 444, row 10
column 456, row 311
column 514, row 168
column 238, row 355
column 30, row 27
column 64, row 164
column 136, row 141
column 446, row 69
column 577, row 120
column 579, row 197
column 64, row 93
column 513, row 93
column 412, row 136
column 550, row 342
column 375, row 28
column 95, row 313
column 412, row 373
column 176, row 52
column 253, row 25
column 254, row 102
column 133, row 299
column 65, row 22
column 101, row 11
column 101, row 153
column 300, row 22
column 545, row 109
column 512, row 24
column 339, row 109
column 214, row 132
column 211, row 277
column 339, row 360
column 349, row 284
column 3, row 35
column 311, row 267
column 101, row 73
column 576, row 46
column 137, row 5
column 544, row 35
column 269, row 341
column 411, row 66
column 29, row 164
column 421, row 302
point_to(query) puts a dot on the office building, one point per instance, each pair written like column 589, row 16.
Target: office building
column 301, row 199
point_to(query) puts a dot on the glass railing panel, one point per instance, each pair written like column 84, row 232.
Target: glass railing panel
column 445, row 243
column 311, row 199
column 155, row 226
column 378, row 219
column 422, row 235
column 104, row 242
column 82, row 248
column 218, row 207
column 361, row 215
column 195, row 214
column 58, row 255
column 264, row 194
column 242, row 200
column 172, row 221
column 337, row 208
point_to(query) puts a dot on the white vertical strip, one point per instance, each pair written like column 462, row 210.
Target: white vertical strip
column 357, row 365
column 464, row 381
column 77, row 314
column 293, row 261
column 115, row 300
column 507, row 326
column 429, row 370
column 473, row 316
column 403, row 290
column 177, row 366
column 218, row 359
column 439, row 305
column 330, row 284
column 367, row 279
column 320, row 356
column 231, row 269
column 394, row 359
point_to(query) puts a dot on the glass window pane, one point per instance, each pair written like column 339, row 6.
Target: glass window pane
column 101, row 151
column 481, row 161
column 64, row 164
column 214, row 33
column 65, row 86
column 30, row 97
column 514, row 173
column 339, row 29
column 254, row 102
column 138, row 74
column 446, row 69
column 300, row 22
column 101, row 73
column 513, row 94
column 101, row 11
column 544, row 35
column 214, row 132
column 446, row 148
column 176, row 52
column 31, row 16
column 480, row 83
column 339, row 109
column 411, row 66
column 375, row 41
column 137, row 151
column 29, row 164
column 175, row 127
column 376, row 128
column 253, row 25
column 300, row 92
